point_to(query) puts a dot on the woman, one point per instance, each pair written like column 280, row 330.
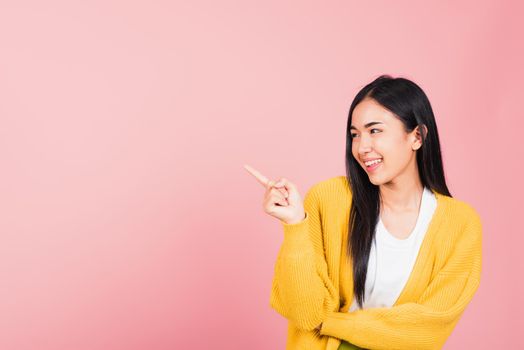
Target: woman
column 384, row 257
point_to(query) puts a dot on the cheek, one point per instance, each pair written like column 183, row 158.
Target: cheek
column 397, row 155
column 354, row 151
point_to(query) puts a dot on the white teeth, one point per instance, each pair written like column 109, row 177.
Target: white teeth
column 373, row 162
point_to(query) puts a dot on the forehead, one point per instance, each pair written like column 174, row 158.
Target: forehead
column 368, row 111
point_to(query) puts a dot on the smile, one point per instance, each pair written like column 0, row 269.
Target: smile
column 372, row 165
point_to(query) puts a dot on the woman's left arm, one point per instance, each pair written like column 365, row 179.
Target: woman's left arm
column 427, row 323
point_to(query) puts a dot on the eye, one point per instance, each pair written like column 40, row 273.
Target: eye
column 355, row 135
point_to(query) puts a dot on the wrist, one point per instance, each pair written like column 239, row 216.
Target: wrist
column 296, row 221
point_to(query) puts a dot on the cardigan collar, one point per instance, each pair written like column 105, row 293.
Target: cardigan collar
column 422, row 262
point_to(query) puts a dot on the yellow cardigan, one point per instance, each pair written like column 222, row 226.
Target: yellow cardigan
column 313, row 280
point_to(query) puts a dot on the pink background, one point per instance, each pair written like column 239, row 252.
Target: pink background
column 127, row 219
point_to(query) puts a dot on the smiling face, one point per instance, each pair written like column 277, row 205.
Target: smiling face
column 378, row 133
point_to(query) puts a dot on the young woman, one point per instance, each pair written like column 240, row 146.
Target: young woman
column 384, row 257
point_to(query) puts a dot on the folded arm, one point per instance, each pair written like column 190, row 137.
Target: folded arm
column 427, row 323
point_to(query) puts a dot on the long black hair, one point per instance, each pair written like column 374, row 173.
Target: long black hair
column 411, row 106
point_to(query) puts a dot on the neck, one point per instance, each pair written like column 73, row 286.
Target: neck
column 402, row 194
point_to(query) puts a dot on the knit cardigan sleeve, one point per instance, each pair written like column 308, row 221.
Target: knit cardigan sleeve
column 428, row 322
column 301, row 289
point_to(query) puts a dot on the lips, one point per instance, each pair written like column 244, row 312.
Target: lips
column 374, row 166
column 367, row 161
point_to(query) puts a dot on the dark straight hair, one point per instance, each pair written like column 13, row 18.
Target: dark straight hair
column 411, row 106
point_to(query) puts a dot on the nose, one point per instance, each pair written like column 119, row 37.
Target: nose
column 364, row 145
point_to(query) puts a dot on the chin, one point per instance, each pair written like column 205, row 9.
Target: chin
column 379, row 181
column 376, row 182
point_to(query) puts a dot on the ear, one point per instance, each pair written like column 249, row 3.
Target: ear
column 418, row 138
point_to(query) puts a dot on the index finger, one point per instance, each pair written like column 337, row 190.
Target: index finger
column 261, row 178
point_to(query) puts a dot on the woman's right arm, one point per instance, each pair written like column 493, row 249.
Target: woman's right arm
column 301, row 289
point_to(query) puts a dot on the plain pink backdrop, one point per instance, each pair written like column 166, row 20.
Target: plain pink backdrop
column 127, row 219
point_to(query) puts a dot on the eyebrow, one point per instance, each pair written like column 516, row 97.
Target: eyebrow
column 366, row 125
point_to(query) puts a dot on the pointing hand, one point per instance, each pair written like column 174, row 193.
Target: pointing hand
column 281, row 199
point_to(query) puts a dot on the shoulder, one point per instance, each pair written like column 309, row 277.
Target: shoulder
column 462, row 222
column 332, row 194
column 333, row 186
column 462, row 212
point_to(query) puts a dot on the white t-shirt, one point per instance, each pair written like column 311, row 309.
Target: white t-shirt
column 391, row 260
